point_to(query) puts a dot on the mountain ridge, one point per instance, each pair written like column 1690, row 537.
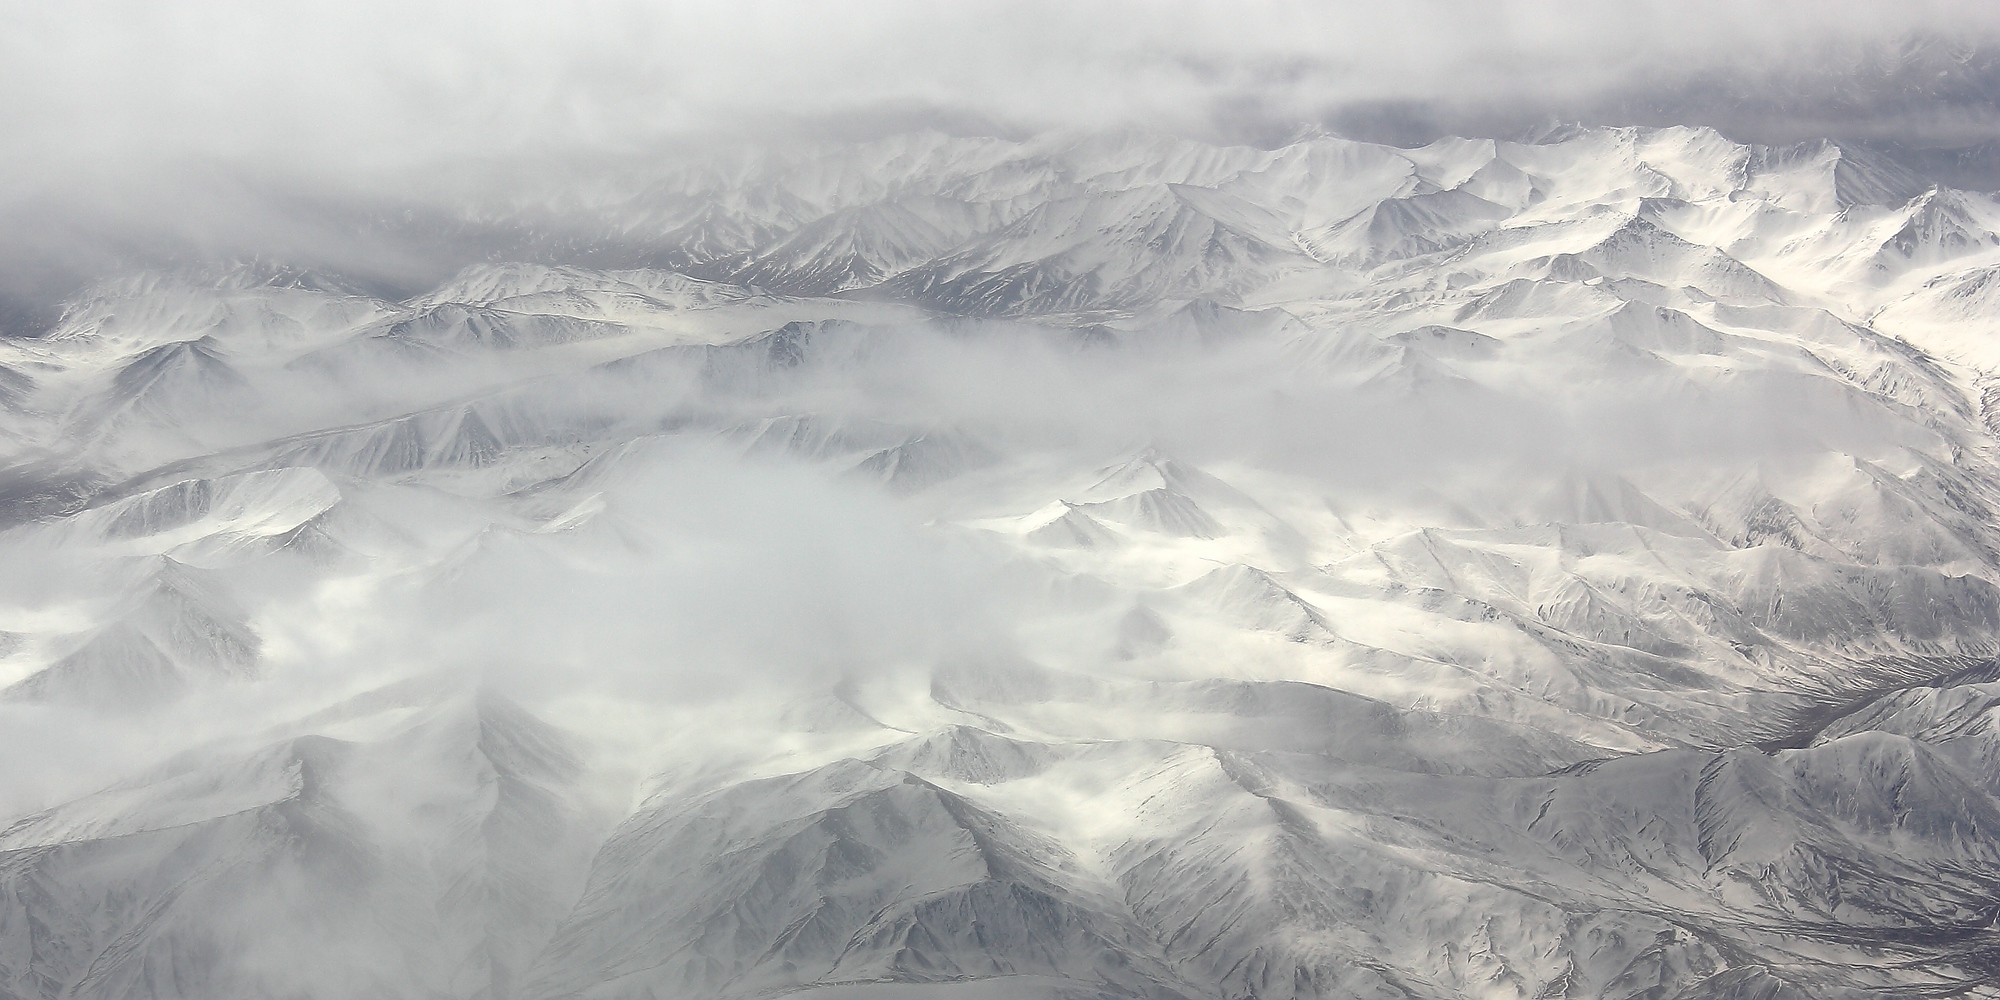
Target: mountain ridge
column 1084, row 567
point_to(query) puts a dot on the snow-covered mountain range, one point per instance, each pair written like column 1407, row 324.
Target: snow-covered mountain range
column 1088, row 567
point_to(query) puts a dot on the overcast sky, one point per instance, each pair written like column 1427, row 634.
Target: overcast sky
column 365, row 84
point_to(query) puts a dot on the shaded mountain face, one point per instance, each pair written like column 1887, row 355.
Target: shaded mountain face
column 1101, row 567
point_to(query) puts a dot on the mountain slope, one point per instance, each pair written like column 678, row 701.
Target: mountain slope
column 1091, row 566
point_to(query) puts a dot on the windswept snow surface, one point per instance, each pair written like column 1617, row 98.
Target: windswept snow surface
column 1102, row 567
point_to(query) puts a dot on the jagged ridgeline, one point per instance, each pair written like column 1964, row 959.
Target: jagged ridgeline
column 1109, row 567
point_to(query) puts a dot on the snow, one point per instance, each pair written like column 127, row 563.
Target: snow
column 1090, row 566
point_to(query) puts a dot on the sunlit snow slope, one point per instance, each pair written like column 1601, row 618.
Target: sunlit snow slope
column 1082, row 568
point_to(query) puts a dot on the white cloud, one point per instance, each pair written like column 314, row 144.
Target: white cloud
column 361, row 86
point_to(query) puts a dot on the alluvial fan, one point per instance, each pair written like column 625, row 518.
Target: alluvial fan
column 1104, row 567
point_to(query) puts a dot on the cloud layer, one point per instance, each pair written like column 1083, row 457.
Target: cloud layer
column 372, row 85
column 141, row 133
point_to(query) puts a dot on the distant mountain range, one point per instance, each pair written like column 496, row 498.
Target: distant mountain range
column 1086, row 567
